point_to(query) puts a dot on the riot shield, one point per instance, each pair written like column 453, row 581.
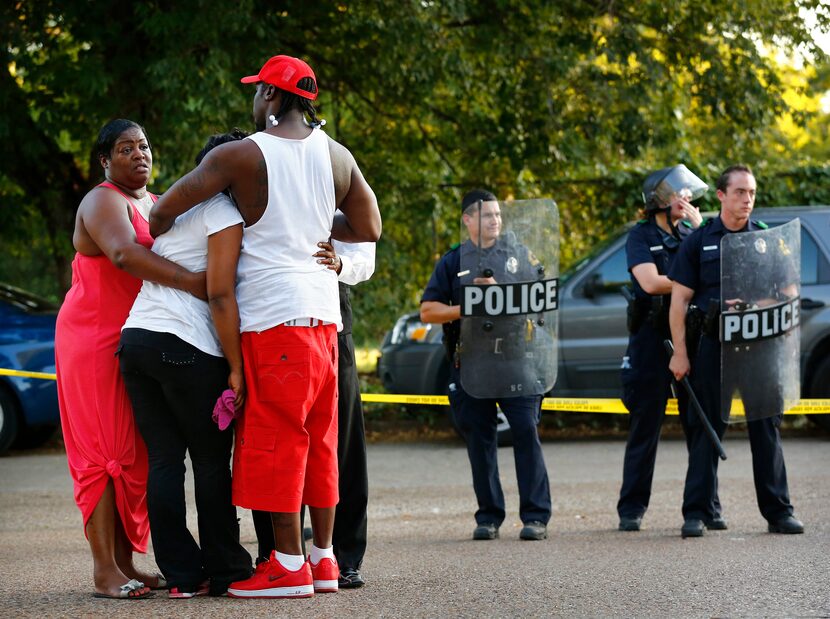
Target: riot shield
column 509, row 296
column 759, row 322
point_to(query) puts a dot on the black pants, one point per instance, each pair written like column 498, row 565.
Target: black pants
column 173, row 387
column 646, row 388
column 476, row 419
column 768, row 468
column 350, row 520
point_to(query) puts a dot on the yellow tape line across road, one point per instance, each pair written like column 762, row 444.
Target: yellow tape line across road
column 45, row 375
column 611, row 405
column 585, row 405
column 570, row 405
column 396, row 398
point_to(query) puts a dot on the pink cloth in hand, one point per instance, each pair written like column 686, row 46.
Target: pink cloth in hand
column 224, row 412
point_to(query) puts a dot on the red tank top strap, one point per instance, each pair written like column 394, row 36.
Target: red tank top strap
column 110, row 185
column 136, row 211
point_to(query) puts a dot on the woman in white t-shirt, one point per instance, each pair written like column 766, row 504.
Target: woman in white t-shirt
column 178, row 354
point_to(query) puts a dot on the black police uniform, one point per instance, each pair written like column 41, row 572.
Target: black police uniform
column 697, row 266
column 646, row 377
column 476, row 417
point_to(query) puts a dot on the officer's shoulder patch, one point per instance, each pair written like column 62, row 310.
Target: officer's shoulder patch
column 453, row 249
column 760, row 224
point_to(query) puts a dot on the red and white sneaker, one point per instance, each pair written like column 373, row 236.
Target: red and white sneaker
column 325, row 575
column 272, row 580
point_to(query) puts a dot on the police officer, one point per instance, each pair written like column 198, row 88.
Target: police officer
column 650, row 250
column 476, row 417
column 696, row 280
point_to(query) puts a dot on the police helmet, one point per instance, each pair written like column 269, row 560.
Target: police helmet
column 662, row 186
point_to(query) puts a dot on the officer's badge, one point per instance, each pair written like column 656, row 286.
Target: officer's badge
column 761, row 246
column 512, row 265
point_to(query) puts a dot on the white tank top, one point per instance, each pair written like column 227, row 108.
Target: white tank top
column 278, row 279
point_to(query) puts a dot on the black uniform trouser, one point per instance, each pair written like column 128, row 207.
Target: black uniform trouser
column 769, row 471
column 646, row 389
column 173, row 387
column 476, row 420
column 350, row 520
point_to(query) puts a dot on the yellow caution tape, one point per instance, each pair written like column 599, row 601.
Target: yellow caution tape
column 585, row 405
column 389, row 398
column 611, row 405
column 44, row 375
column 810, row 407
column 588, row 405
column 565, row 405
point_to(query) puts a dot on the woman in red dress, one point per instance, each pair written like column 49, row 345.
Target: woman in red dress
column 107, row 458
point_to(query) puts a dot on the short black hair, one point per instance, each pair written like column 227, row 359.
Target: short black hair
column 110, row 133
column 219, row 139
column 476, row 195
column 723, row 179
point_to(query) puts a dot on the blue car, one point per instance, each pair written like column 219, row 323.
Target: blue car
column 28, row 406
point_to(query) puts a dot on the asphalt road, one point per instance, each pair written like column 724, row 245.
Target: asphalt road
column 422, row 563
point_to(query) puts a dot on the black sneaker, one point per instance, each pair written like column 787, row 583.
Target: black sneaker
column 718, row 523
column 350, row 578
column 630, row 524
column 486, row 531
column 693, row 527
column 534, row 531
column 788, row 525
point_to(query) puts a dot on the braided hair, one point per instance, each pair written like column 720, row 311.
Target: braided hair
column 291, row 101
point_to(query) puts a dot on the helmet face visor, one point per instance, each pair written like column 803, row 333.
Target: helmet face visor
column 678, row 182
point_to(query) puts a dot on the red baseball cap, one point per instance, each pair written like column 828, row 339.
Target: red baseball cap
column 285, row 72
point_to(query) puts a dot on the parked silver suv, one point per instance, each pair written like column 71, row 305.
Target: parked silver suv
column 592, row 322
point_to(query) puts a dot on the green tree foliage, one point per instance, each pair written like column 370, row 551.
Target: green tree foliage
column 574, row 100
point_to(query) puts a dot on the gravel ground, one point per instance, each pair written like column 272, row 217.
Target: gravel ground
column 422, row 563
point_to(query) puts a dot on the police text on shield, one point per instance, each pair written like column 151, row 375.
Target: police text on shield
column 760, row 324
column 510, row 299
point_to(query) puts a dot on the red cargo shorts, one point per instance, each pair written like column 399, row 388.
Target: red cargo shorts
column 285, row 454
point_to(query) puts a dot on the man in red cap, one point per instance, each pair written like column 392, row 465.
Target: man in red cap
column 294, row 187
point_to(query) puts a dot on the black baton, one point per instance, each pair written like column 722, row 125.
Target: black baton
column 698, row 408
